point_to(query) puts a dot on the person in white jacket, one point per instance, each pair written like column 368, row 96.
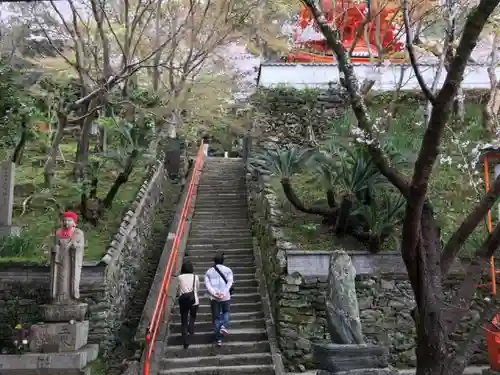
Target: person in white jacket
column 188, row 284
column 219, row 282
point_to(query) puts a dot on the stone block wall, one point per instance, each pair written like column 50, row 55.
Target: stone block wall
column 24, row 288
column 385, row 297
column 125, row 255
column 106, row 285
column 286, row 116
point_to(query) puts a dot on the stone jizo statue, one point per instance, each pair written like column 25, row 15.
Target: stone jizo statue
column 66, row 261
column 347, row 353
column 342, row 310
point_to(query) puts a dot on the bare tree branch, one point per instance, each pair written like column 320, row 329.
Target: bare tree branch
column 411, row 51
column 461, row 302
column 357, row 101
column 458, row 238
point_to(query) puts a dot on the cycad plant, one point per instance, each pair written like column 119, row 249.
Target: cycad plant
column 360, row 201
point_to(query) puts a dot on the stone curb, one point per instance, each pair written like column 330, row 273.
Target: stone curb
column 471, row 370
column 159, row 344
column 130, row 219
column 279, row 367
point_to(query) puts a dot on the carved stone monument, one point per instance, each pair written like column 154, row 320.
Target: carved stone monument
column 7, row 172
column 348, row 354
column 64, row 328
column 58, row 345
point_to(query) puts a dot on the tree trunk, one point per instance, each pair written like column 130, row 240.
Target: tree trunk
column 82, row 151
column 48, row 170
column 102, row 144
column 423, row 264
column 17, row 155
column 121, row 179
column 297, row 203
column 459, row 109
column 490, row 112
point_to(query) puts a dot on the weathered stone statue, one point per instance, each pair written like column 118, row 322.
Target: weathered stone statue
column 64, row 327
column 347, row 354
column 66, row 260
column 342, row 309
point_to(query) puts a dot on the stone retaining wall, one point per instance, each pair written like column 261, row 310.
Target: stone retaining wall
column 106, row 285
column 297, row 292
column 24, row 287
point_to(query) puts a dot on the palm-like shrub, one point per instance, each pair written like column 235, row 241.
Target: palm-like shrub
column 360, row 201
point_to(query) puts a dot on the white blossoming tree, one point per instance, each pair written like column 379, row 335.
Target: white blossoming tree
column 427, row 261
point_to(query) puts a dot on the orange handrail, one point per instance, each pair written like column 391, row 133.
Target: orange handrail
column 489, row 226
column 161, row 300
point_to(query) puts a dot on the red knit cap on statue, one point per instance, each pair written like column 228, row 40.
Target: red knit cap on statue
column 70, row 215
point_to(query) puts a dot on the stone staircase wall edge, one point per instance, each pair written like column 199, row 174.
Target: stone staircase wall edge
column 277, row 359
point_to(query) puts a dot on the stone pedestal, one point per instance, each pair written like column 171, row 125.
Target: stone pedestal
column 64, row 313
column 58, row 345
column 58, row 337
column 352, row 359
column 11, row 230
column 70, row 363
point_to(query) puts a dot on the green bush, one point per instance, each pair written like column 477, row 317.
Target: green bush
column 359, row 201
column 17, row 246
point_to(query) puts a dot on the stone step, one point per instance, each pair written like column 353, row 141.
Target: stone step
column 237, row 270
column 223, row 185
column 232, row 257
column 221, row 206
column 223, row 370
column 206, row 350
column 241, row 235
column 230, row 179
column 225, row 214
column 225, row 232
column 216, row 227
column 235, row 222
column 207, row 337
column 175, row 327
column 205, row 219
column 238, row 297
column 210, row 187
column 205, row 223
column 219, row 197
column 243, row 279
column 204, row 307
column 225, row 169
column 221, row 188
column 231, row 263
column 243, row 286
column 206, row 317
column 231, row 176
column 221, row 203
column 221, row 242
column 229, row 191
column 209, row 253
column 226, row 198
column 218, row 360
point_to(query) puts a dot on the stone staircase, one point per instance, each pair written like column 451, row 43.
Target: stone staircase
column 221, row 224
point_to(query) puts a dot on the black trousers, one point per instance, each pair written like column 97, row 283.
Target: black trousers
column 188, row 318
